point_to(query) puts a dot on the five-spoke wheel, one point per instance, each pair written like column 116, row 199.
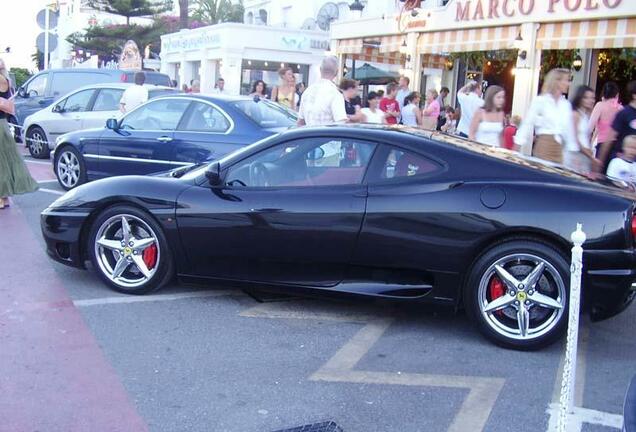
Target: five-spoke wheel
column 517, row 293
column 129, row 250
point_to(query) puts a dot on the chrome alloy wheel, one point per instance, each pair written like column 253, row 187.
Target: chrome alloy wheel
column 68, row 169
column 522, row 296
column 127, row 251
column 37, row 142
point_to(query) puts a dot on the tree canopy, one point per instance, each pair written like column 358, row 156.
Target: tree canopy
column 217, row 11
column 131, row 8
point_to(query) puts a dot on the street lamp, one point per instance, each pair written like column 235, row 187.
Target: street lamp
column 577, row 64
column 356, row 9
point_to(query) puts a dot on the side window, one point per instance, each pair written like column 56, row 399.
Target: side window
column 78, row 102
column 205, row 118
column 397, row 162
column 307, row 162
column 162, row 114
column 37, row 86
column 108, row 100
column 65, row 82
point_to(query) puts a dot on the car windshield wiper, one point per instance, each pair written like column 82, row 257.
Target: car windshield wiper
column 179, row 172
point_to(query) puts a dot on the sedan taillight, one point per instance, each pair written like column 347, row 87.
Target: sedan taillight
column 633, row 225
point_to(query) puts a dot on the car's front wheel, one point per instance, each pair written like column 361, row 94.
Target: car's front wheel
column 69, row 167
column 37, row 143
column 517, row 293
column 129, row 250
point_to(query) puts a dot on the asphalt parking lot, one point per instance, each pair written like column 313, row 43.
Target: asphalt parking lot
column 216, row 359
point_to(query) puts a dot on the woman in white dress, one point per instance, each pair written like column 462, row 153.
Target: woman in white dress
column 488, row 122
column 373, row 114
column 411, row 114
column 578, row 154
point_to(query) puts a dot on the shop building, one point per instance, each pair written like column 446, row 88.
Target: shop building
column 241, row 54
column 424, row 42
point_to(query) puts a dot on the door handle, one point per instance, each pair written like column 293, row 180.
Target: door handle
column 164, row 139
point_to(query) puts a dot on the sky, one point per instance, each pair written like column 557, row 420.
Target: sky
column 18, row 30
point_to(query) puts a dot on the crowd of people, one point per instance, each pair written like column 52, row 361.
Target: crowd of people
column 585, row 136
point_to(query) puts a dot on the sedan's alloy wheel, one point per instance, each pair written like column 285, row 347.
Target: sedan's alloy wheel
column 522, row 296
column 127, row 251
column 37, row 142
column 68, row 169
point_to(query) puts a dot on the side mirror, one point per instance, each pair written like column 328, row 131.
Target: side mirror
column 315, row 154
column 213, row 173
column 58, row 109
column 22, row 93
column 112, row 124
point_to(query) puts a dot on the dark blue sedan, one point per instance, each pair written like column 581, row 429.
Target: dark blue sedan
column 166, row 133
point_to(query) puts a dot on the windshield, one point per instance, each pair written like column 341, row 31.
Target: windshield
column 266, row 114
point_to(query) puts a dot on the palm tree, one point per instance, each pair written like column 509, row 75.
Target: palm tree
column 183, row 14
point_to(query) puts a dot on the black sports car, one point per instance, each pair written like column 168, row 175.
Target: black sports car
column 388, row 212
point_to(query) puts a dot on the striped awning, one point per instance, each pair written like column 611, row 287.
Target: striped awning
column 481, row 39
column 384, row 44
column 374, row 55
column 434, row 61
column 610, row 33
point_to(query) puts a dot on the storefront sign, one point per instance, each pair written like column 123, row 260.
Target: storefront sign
column 297, row 43
column 187, row 42
column 477, row 10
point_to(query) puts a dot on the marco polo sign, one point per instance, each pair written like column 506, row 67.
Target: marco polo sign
column 458, row 14
column 475, row 10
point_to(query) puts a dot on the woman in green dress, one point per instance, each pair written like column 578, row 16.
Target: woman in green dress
column 14, row 176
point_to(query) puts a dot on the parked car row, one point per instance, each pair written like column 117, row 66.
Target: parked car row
column 46, row 87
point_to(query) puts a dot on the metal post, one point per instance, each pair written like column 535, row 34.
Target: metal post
column 47, row 13
column 569, row 367
column 353, row 69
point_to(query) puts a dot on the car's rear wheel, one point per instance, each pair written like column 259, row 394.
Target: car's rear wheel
column 129, row 250
column 37, row 143
column 69, row 167
column 518, row 294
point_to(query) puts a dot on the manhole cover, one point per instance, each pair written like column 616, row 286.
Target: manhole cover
column 315, row 427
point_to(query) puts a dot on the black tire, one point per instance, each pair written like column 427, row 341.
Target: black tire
column 164, row 266
column 37, row 143
column 493, row 324
column 66, row 154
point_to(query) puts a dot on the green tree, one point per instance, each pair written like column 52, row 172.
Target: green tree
column 217, row 11
column 131, row 8
column 21, row 75
column 38, row 58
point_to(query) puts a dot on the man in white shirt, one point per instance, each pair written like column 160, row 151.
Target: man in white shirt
column 469, row 98
column 624, row 167
column 322, row 102
column 134, row 95
column 219, row 88
column 403, row 90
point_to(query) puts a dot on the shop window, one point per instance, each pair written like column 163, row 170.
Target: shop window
column 249, row 18
column 262, row 17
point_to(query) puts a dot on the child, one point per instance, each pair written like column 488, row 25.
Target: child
column 623, row 167
column 373, row 113
column 450, row 123
column 390, row 104
column 509, row 133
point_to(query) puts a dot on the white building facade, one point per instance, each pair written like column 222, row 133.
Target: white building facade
column 275, row 33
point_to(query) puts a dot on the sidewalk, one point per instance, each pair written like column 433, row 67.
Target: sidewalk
column 54, row 375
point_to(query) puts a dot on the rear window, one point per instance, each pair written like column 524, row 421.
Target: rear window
column 266, row 114
column 154, row 78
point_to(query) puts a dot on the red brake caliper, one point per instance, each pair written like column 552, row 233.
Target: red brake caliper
column 496, row 289
column 150, row 256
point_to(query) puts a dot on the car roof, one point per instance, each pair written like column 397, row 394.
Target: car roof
column 122, row 86
column 106, row 71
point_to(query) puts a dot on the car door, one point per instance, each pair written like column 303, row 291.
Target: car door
column 66, row 115
column 206, row 133
column 142, row 142
column 105, row 106
column 288, row 214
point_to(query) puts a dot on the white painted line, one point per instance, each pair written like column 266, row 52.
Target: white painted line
column 151, row 298
column 51, row 191
column 46, row 181
column 37, row 162
column 582, row 416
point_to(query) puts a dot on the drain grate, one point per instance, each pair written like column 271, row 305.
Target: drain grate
column 315, row 427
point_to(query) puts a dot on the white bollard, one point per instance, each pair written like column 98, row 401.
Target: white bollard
column 569, row 366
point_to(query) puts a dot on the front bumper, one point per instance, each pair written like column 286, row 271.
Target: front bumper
column 609, row 277
column 62, row 231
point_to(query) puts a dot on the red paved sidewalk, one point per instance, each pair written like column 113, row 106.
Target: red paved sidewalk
column 53, row 375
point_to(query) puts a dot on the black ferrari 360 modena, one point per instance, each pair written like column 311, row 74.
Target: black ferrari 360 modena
column 377, row 211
